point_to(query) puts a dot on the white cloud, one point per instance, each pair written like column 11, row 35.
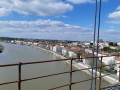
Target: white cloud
column 110, row 35
column 39, row 7
column 4, row 12
column 113, row 22
column 81, row 1
column 118, row 8
column 84, row 1
column 44, row 29
column 36, row 7
column 115, row 14
column 48, row 29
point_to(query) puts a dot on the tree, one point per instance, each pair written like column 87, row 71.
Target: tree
column 67, row 54
column 91, row 44
column 59, row 52
column 106, row 49
column 111, row 44
column 79, row 46
column 115, row 44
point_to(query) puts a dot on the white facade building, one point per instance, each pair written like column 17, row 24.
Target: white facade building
column 118, row 43
column 35, row 43
column 64, row 51
column 88, row 50
column 113, row 47
column 71, row 54
column 117, row 66
column 55, row 48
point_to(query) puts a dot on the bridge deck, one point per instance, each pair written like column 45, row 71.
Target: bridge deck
column 112, row 87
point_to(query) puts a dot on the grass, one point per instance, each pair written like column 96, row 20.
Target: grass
column 108, row 70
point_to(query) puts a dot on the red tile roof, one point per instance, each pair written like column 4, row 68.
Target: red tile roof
column 118, row 59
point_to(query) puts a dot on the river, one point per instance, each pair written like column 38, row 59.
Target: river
column 14, row 53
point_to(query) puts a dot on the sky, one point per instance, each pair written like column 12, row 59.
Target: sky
column 59, row 19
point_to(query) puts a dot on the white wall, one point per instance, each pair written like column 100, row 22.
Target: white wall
column 88, row 50
column 118, row 43
column 54, row 49
column 71, row 54
column 64, row 51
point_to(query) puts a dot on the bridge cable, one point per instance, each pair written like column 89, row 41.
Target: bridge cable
column 94, row 44
column 97, row 43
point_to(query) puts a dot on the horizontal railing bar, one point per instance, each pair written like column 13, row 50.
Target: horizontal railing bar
column 94, row 67
column 45, row 76
column 77, row 82
column 8, row 82
column 33, row 62
column 50, row 75
column 59, row 87
column 83, row 81
column 90, row 79
column 96, row 57
column 57, row 73
column 6, row 65
column 51, row 61
column 45, row 61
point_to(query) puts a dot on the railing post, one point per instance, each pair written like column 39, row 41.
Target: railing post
column 19, row 76
column 100, row 73
column 70, row 84
column 119, row 68
column 119, row 73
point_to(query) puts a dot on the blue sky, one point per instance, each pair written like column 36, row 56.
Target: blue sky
column 58, row 19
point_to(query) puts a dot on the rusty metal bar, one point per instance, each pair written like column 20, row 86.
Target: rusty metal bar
column 56, row 87
column 100, row 73
column 96, row 57
column 59, row 87
column 93, row 67
column 70, row 85
column 51, row 61
column 119, row 73
column 119, row 69
column 89, row 79
column 8, row 82
column 6, row 65
column 19, row 76
column 44, row 61
column 44, row 76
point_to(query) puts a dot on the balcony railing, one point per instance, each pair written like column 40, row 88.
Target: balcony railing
column 19, row 81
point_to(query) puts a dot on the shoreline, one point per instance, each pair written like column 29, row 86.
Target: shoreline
column 82, row 66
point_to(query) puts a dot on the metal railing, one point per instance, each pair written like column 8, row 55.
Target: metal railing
column 19, row 81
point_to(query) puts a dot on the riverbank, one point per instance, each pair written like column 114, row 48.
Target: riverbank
column 1, row 48
column 80, row 65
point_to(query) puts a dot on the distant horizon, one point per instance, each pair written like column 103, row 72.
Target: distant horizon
column 53, row 39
